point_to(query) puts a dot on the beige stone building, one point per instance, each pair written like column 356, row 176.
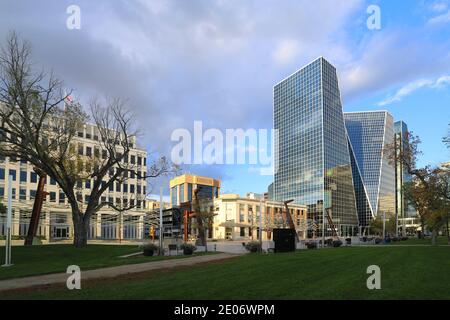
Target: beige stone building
column 238, row 218
column 56, row 221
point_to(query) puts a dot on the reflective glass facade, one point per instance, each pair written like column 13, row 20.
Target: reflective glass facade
column 374, row 177
column 403, row 209
column 314, row 166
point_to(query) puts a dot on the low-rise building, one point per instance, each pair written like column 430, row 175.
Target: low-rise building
column 239, row 218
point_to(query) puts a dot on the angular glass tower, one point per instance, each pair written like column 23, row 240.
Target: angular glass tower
column 374, row 177
column 403, row 209
column 314, row 165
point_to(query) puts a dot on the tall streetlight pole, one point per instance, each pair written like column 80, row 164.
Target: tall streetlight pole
column 8, row 225
column 160, row 221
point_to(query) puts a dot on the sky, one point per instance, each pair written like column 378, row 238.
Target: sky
column 216, row 61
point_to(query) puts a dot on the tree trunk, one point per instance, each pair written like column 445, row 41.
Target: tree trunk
column 434, row 235
column 448, row 230
column 422, row 234
column 80, row 230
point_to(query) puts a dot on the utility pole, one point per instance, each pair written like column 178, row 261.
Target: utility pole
column 8, row 225
column 260, row 224
column 160, row 220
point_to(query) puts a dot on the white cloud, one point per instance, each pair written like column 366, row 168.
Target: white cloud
column 286, row 51
column 439, row 6
column 440, row 19
column 414, row 86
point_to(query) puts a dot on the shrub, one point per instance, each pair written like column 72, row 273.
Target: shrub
column 348, row 240
column 253, row 246
column 329, row 242
column 311, row 245
column 149, row 249
column 378, row 240
column 337, row 243
column 188, row 248
column 395, row 239
column 404, row 238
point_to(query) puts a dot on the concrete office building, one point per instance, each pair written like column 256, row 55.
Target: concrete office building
column 314, row 167
column 374, row 177
column 56, row 216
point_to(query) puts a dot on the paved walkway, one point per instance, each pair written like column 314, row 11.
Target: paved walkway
column 111, row 272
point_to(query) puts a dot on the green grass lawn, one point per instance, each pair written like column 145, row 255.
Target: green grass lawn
column 424, row 241
column 46, row 259
column 406, row 273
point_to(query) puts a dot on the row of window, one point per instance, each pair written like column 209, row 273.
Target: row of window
column 62, row 198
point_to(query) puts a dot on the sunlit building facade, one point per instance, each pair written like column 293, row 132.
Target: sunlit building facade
column 314, row 167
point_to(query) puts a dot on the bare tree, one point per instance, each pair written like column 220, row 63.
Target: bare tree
column 204, row 215
column 37, row 126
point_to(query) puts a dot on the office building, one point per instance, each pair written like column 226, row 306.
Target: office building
column 56, row 216
column 182, row 188
column 374, row 177
column 314, row 166
column 403, row 208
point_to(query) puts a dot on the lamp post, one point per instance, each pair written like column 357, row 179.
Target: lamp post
column 8, row 225
column 160, row 221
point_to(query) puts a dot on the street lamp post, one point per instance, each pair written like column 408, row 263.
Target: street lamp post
column 8, row 225
column 160, row 221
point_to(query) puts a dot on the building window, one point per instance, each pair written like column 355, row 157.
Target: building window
column 241, row 213
column 33, row 177
column 13, row 174
column 62, row 197
column 139, row 161
column 125, row 188
column 23, row 176
column 132, row 188
column 242, row 234
column 88, row 184
column 174, row 196
column 32, row 194
column 80, row 149
column 2, row 174
column 182, row 193
column 52, row 196
column 2, row 192
column 117, row 186
column 52, row 181
column 89, row 151
column 23, row 194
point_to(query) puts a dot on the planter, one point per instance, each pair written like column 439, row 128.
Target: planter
column 148, row 252
column 337, row 243
column 188, row 251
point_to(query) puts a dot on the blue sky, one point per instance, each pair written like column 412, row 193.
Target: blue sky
column 217, row 61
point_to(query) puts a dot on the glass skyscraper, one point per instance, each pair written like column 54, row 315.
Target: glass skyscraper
column 403, row 209
column 314, row 166
column 374, row 177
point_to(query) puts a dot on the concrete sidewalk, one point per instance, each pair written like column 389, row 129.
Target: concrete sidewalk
column 111, row 272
